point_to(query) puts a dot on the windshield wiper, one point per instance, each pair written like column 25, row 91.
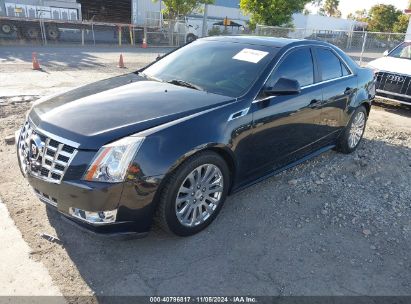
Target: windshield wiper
column 186, row 84
column 142, row 74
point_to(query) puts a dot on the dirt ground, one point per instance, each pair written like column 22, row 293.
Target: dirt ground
column 335, row 225
column 338, row 224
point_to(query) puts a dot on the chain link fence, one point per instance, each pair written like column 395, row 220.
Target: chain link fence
column 360, row 45
column 14, row 31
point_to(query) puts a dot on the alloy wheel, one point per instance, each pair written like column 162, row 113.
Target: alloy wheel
column 199, row 195
column 356, row 130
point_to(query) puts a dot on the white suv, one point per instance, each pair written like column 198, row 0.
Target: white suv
column 393, row 73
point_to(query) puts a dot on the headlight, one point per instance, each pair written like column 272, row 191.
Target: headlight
column 111, row 163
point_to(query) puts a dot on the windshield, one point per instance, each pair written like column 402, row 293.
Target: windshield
column 224, row 68
column 402, row 51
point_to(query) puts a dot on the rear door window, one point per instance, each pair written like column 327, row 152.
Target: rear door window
column 331, row 66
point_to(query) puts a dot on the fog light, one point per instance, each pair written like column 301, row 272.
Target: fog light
column 99, row 217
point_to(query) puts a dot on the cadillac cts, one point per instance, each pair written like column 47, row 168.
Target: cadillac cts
column 172, row 140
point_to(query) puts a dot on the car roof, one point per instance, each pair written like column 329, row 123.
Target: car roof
column 264, row 41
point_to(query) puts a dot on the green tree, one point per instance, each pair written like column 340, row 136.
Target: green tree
column 330, row 8
column 359, row 15
column 401, row 25
column 382, row 18
column 175, row 8
column 272, row 12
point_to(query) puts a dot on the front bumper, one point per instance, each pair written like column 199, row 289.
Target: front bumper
column 132, row 199
column 54, row 167
column 392, row 96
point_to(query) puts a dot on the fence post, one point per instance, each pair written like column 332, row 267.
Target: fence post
column 130, row 28
column 363, row 47
column 92, row 32
column 82, row 36
column 119, row 35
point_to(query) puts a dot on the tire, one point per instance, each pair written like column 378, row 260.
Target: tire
column 180, row 195
column 32, row 33
column 6, row 29
column 52, row 32
column 190, row 38
column 346, row 143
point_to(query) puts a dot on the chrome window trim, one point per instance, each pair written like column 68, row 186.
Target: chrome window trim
column 307, row 86
column 339, row 57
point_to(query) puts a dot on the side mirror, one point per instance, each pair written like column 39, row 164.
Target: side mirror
column 386, row 53
column 284, row 86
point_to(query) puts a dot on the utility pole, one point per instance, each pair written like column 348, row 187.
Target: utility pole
column 205, row 17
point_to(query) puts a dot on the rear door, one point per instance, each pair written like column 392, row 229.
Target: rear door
column 339, row 85
column 284, row 127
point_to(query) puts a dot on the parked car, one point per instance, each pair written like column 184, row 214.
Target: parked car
column 393, row 74
column 172, row 140
column 336, row 38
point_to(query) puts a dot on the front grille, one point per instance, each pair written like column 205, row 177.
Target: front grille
column 393, row 83
column 52, row 159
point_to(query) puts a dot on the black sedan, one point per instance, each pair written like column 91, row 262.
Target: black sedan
column 172, row 140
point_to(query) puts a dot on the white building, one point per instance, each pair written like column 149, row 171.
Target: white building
column 325, row 23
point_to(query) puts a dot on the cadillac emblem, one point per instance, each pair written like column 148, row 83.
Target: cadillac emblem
column 35, row 147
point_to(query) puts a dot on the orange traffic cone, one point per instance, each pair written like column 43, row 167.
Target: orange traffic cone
column 144, row 46
column 36, row 64
column 121, row 62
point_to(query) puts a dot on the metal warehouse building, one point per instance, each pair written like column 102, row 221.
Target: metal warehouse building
column 138, row 12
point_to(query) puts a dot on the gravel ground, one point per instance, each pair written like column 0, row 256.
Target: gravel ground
column 335, row 225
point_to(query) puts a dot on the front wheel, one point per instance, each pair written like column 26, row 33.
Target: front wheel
column 353, row 133
column 194, row 194
column 190, row 38
column 53, row 33
column 6, row 29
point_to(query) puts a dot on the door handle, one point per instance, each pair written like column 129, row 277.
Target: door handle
column 315, row 103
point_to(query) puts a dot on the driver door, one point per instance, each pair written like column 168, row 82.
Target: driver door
column 285, row 126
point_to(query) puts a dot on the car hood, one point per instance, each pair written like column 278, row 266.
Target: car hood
column 392, row 64
column 102, row 112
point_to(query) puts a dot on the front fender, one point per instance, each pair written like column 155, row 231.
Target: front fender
column 166, row 147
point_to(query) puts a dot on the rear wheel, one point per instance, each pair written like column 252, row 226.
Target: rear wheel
column 32, row 33
column 194, row 194
column 53, row 32
column 6, row 29
column 353, row 133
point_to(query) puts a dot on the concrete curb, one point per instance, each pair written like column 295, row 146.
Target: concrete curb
column 19, row 274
